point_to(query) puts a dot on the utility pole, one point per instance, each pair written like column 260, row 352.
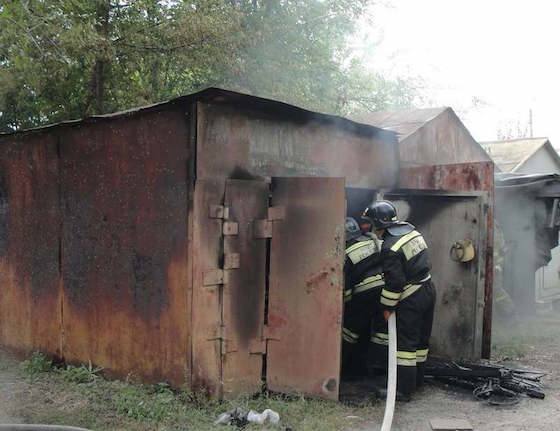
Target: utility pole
column 530, row 122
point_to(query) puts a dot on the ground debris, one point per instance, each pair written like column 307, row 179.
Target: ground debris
column 495, row 384
column 240, row 418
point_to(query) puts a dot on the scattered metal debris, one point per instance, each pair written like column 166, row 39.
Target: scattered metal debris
column 491, row 383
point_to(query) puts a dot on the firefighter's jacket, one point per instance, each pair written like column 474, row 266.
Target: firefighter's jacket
column 406, row 264
column 362, row 266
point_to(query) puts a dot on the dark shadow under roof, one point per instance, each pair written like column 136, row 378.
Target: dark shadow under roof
column 227, row 97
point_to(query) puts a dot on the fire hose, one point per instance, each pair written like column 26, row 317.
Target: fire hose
column 392, row 371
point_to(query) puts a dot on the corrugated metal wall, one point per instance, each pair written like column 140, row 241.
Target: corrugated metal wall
column 30, row 317
column 243, row 143
column 106, row 242
column 468, row 177
column 95, row 259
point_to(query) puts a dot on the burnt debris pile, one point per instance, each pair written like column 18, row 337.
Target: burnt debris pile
column 494, row 384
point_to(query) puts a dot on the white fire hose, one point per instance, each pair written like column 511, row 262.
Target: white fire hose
column 392, row 371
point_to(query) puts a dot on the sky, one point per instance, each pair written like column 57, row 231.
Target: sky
column 492, row 61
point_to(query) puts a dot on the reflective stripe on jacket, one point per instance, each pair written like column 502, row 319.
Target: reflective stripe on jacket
column 406, row 265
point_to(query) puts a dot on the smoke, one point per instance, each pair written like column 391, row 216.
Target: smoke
column 403, row 209
column 357, row 200
column 523, row 241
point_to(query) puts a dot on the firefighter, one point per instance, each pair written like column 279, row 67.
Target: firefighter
column 362, row 291
column 379, row 340
column 365, row 227
column 408, row 290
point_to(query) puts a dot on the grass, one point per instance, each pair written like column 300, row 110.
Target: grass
column 36, row 363
column 82, row 374
column 80, row 396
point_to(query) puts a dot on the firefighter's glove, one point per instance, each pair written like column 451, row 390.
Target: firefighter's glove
column 386, row 314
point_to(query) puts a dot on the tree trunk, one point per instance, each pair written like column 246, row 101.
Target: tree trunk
column 99, row 86
column 100, row 67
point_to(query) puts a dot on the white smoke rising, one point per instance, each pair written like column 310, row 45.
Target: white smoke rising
column 403, row 209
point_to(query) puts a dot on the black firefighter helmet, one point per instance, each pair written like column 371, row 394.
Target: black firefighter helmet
column 352, row 229
column 382, row 214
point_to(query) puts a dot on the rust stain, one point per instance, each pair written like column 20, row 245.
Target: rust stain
column 30, row 316
column 303, row 356
column 244, row 292
column 477, row 176
column 315, row 280
column 456, row 177
column 124, row 206
column 268, row 146
column 206, row 251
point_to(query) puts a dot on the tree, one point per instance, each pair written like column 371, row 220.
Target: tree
column 63, row 59
column 66, row 59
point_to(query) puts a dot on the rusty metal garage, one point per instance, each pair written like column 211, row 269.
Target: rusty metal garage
column 200, row 241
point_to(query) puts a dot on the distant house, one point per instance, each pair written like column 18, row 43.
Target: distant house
column 529, row 208
column 431, row 136
column 524, row 156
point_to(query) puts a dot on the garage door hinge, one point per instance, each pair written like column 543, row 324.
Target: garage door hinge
column 276, row 213
column 227, row 346
column 231, row 261
column 218, row 211
column 230, row 228
column 214, row 277
column 259, row 345
column 263, row 229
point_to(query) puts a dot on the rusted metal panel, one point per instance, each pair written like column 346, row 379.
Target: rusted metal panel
column 477, row 176
column 244, row 293
column 445, row 220
column 305, row 293
column 262, row 145
column 30, row 313
column 457, row 177
column 441, row 141
column 125, row 194
column 207, row 250
column 489, row 280
column 430, row 136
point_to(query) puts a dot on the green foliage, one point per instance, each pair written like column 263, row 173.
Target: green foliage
column 141, row 402
column 108, row 405
column 36, row 363
column 82, row 374
column 66, row 59
column 62, row 59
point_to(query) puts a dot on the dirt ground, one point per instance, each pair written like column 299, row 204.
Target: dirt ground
column 533, row 343
column 10, row 384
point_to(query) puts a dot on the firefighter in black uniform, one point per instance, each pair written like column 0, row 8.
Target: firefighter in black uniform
column 362, row 292
column 408, row 290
